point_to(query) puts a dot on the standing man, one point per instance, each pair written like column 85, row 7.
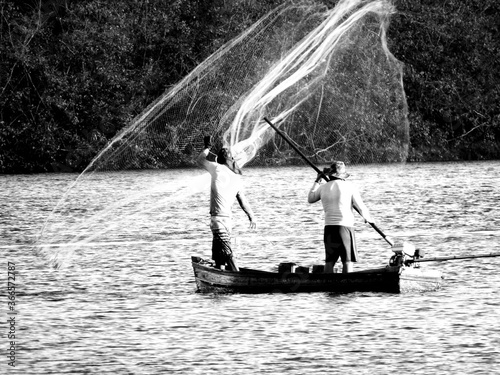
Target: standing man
column 225, row 187
column 339, row 197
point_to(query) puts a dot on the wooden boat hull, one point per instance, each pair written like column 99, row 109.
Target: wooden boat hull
column 389, row 279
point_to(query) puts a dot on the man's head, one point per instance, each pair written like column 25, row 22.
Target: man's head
column 337, row 170
column 225, row 157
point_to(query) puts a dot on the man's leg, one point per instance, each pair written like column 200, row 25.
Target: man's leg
column 347, row 267
column 329, row 267
column 233, row 265
column 221, row 250
column 350, row 253
column 227, row 252
column 332, row 247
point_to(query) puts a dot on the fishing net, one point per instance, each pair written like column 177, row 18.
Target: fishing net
column 324, row 76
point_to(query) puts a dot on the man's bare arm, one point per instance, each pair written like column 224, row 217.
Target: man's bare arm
column 245, row 206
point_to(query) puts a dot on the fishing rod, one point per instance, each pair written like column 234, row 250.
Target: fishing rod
column 289, row 141
column 440, row 259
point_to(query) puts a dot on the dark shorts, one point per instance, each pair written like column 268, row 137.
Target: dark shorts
column 221, row 247
column 340, row 242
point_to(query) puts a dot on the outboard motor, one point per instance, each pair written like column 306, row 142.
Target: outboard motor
column 419, row 253
column 402, row 250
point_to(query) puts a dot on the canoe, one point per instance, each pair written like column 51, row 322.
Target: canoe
column 399, row 278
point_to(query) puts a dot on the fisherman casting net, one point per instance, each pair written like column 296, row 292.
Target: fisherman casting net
column 323, row 76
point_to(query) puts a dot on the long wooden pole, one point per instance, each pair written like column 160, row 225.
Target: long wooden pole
column 319, row 172
column 440, row 259
column 289, row 141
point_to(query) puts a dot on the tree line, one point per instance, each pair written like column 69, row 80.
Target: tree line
column 73, row 73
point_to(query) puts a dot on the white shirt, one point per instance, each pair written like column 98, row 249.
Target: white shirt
column 224, row 186
column 338, row 198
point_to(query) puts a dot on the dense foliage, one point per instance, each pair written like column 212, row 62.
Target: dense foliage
column 451, row 51
column 73, row 73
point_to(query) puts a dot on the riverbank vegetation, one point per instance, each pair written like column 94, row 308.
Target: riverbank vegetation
column 73, row 73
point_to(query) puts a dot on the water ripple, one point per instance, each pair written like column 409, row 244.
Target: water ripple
column 126, row 302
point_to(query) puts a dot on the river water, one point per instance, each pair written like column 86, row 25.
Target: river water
column 126, row 303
